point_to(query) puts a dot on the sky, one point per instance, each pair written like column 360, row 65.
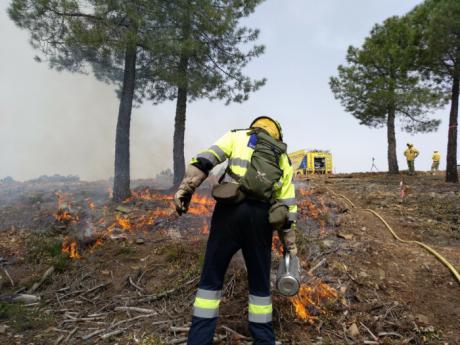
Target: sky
column 61, row 123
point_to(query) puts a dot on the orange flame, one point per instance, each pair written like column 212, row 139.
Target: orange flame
column 70, row 247
column 277, row 247
column 90, row 203
column 200, row 205
column 304, row 192
column 204, row 228
column 147, row 195
column 96, row 244
column 63, row 214
column 311, row 298
column 123, row 222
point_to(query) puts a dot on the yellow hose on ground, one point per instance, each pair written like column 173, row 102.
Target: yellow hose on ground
column 395, row 235
column 428, row 248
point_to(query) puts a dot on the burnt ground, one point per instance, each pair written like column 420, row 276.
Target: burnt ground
column 136, row 265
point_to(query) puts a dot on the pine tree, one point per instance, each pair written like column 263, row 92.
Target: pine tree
column 379, row 84
column 437, row 24
column 207, row 59
column 117, row 39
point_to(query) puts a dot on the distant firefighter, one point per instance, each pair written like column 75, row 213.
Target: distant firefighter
column 411, row 153
column 436, row 159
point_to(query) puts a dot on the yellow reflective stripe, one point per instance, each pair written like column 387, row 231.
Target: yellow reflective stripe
column 220, row 154
column 287, row 190
column 210, row 156
column 219, row 159
column 260, row 309
column 206, row 303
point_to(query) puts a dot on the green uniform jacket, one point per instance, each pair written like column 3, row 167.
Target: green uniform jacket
column 234, row 146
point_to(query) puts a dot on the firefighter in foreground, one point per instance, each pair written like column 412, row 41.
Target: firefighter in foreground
column 255, row 195
column 411, row 153
column 436, row 159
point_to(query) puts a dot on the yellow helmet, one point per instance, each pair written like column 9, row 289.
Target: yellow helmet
column 270, row 125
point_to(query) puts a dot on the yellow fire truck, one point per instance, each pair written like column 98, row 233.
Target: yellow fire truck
column 306, row 162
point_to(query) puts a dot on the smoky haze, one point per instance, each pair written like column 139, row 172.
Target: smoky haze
column 61, row 123
column 56, row 122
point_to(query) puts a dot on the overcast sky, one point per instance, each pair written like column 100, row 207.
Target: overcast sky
column 64, row 123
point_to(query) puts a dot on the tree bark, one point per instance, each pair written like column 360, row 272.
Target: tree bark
column 451, row 168
column 121, row 183
column 391, row 136
column 179, row 124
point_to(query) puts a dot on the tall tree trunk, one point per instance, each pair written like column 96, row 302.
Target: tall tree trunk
column 179, row 124
column 391, row 136
column 451, row 169
column 121, row 182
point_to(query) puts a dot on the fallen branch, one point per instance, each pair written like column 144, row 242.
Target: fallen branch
column 45, row 275
column 71, row 334
column 139, row 310
column 137, row 287
column 59, row 339
column 113, row 333
column 388, row 334
column 90, row 335
column 314, row 268
column 235, row 333
column 8, row 276
column 179, row 329
column 177, row 341
column 166, row 293
column 132, row 319
column 26, row 299
column 369, row 331
column 82, row 319
column 95, row 288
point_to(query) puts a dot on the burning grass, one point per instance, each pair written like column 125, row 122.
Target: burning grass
column 309, row 302
column 70, row 247
column 92, row 224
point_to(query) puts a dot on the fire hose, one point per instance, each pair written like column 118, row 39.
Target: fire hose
column 395, row 235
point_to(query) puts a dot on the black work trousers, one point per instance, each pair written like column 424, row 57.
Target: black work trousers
column 242, row 226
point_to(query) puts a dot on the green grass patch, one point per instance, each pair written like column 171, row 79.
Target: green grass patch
column 22, row 318
column 126, row 251
column 44, row 249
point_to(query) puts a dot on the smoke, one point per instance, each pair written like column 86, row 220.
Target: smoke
column 62, row 123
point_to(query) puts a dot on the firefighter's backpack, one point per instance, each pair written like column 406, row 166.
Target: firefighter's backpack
column 263, row 172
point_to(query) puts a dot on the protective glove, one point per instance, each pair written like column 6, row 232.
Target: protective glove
column 192, row 180
column 289, row 240
column 278, row 216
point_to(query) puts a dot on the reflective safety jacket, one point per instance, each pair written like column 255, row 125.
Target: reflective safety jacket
column 436, row 157
column 236, row 147
column 411, row 153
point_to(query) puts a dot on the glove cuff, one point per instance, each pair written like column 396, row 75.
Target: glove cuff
column 194, row 177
